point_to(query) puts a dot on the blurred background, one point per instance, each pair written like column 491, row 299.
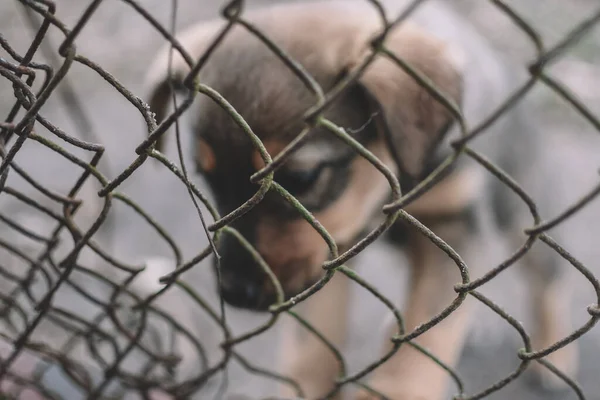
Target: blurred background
column 123, row 43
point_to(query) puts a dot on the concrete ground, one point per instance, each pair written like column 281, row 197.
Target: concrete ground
column 123, row 43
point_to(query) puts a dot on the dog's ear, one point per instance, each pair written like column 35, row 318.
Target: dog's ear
column 161, row 85
column 159, row 103
column 412, row 121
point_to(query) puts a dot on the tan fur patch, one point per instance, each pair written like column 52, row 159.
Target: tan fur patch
column 366, row 190
column 549, row 308
column 295, row 250
column 451, row 195
column 304, row 357
column 409, row 374
column 273, row 147
column 205, row 157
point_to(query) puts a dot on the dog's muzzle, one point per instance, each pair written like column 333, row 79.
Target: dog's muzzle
column 243, row 283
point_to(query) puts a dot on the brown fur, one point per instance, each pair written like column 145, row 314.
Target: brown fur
column 205, row 156
column 406, row 134
column 451, row 195
column 282, row 243
column 364, row 191
column 429, row 295
column 273, row 147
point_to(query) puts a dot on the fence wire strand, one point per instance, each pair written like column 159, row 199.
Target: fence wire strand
column 116, row 331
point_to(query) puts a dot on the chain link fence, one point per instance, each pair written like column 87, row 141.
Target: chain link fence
column 129, row 344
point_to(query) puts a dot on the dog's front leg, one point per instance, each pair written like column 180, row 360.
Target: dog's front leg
column 305, row 358
column 410, row 375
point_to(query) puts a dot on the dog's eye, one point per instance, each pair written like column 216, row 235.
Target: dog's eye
column 298, row 181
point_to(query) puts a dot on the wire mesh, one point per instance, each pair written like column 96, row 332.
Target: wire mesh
column 124, row 323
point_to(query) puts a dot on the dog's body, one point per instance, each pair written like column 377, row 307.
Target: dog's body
column 344, row 191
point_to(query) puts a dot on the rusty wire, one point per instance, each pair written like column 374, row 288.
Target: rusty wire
column 123, row 317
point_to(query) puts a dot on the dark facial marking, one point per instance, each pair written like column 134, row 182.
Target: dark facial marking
column 319, row 186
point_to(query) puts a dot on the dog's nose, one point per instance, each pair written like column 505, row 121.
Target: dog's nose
column 243, row 282
column 240, row 292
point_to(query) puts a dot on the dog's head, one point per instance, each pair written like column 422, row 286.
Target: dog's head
column 385, row 110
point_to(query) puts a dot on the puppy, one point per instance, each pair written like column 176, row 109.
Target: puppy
column 405, row 127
